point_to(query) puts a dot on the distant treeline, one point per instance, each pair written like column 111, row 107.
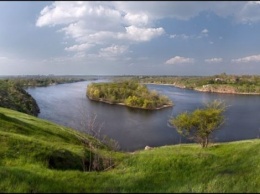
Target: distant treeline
column 217, row 83
column 33, row 81
column 129, row 93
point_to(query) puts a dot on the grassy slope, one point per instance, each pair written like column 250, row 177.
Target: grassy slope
column 26, row 142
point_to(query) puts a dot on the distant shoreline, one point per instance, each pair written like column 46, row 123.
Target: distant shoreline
column 203, row 90
column 226, row 92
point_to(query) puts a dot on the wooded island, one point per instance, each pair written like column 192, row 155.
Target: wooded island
column 128, row 93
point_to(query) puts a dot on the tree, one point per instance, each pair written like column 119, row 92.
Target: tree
column 200, row 124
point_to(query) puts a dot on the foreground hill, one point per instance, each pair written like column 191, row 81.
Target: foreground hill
column 39, row 156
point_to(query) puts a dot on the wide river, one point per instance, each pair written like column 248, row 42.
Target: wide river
column 68, row 105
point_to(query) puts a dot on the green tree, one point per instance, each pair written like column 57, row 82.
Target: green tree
column 200, row 124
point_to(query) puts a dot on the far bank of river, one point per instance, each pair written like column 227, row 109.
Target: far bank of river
column 210, row 89
column 136, row 128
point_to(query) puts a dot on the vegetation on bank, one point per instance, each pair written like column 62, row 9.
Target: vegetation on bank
column 14, row 97
column 37, row 156
column 129, row 93
column 37, row 81
column 223, row 83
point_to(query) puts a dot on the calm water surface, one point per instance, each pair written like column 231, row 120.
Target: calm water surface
column 134, row 129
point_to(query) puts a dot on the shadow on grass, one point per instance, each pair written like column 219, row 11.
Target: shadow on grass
column 19, row 180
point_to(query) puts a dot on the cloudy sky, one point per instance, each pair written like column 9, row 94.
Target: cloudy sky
column 129, row 38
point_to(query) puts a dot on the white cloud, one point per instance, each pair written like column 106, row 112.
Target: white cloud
column 252, row 58
column 178, row 59
column 98, row 23
column 112, row 51
column 241, row 11
column 141, row 13
column 101, row 37
column 204, row 31
column 162, row 9
column 61, row 13
column 140, row 19
column 213, row 60
column 249, row 13
column 182, row 36
column 104, row 23
column 140, row 34
column 80, row 47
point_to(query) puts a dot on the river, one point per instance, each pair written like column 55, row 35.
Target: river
column 67, row 104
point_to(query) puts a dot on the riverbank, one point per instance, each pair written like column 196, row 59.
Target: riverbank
column 206, row 88
column 222, row 90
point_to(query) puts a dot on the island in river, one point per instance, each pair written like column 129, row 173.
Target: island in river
column 128, row 93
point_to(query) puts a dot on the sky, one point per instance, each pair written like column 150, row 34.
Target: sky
column 129, row 37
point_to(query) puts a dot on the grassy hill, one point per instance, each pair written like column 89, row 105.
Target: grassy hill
column 39, row 156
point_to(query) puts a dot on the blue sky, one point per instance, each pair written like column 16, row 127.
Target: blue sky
column 129, row 38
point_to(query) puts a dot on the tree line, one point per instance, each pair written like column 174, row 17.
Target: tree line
column 37, row 81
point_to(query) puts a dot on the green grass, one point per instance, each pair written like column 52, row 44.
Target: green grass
column 27, row 144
